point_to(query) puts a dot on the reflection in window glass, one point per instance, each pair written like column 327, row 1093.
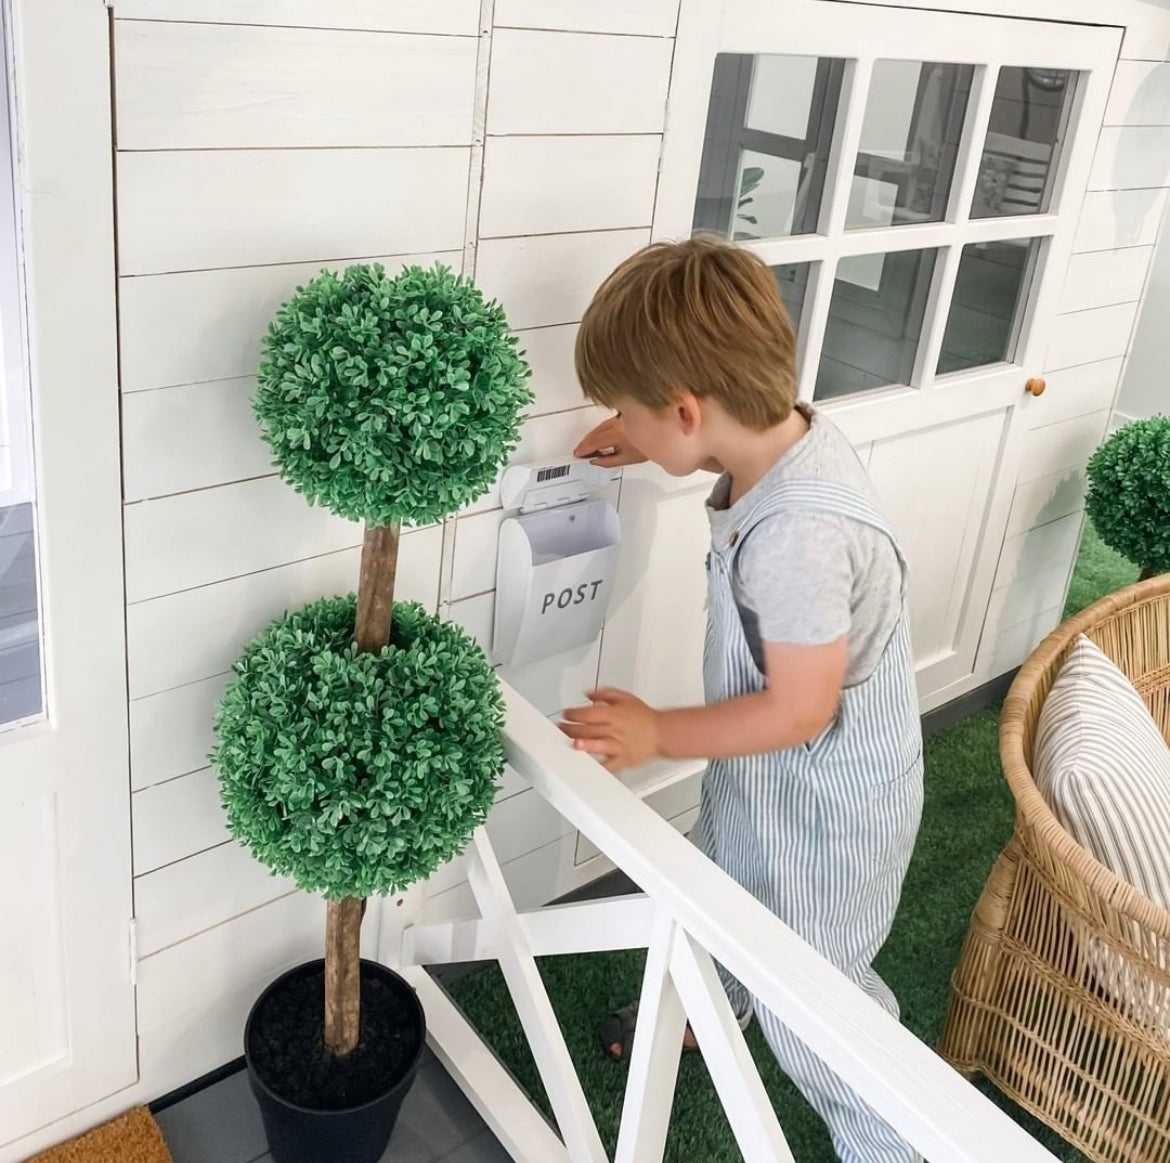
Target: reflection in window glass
column 766, row 147
column 990, row 292
column 1028, row 120
column 20, row 638
column 909, row 139
column 792, row 279
column 875, row 322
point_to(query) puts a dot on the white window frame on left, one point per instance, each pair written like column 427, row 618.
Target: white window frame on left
column 64, row 779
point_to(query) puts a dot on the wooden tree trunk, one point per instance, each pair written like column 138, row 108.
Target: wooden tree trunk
column 343, row 923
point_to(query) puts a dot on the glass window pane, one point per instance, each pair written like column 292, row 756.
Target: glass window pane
column 1028, row 120
column 990, row 293
column 875, row 322
column 769, row 127
column 20, row 637
column 792, row 279
column 909, row 139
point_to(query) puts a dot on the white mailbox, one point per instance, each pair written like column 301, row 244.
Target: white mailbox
column 557, row 560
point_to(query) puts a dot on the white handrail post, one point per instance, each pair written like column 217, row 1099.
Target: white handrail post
column 653, row 1073
column 732, row 1068
column 533, row 1007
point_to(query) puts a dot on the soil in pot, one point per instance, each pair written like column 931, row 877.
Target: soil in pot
column 286, row 1044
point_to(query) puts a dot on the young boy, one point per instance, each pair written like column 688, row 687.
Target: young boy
column 814, row 791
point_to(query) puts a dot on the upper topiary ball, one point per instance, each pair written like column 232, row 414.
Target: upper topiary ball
column 1129, row 493
column 391, row 399
column 358, row 773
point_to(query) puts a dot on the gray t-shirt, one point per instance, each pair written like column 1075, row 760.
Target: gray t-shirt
column 808, row 578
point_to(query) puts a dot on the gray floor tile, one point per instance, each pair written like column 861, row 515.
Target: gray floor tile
column 436, row 1118
column 484, row 1148
column 218, row 1125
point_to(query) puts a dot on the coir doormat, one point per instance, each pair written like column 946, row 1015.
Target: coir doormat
column 133, row 1138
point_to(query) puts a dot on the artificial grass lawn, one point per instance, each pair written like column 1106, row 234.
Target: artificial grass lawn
column 967, row 818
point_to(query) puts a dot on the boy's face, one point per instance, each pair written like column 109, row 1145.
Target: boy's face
column 671, row 437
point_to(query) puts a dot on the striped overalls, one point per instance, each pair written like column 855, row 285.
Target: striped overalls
column 821, row 834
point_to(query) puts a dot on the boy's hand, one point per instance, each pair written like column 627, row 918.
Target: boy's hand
column 621, row 730
column 609, row 446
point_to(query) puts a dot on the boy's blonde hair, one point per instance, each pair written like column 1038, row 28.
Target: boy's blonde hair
column 700, row 315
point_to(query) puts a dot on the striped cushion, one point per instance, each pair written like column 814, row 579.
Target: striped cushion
column 1103, row 767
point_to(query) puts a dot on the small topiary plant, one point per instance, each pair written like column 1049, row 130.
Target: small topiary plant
column 1129, row 493
column 358, row 744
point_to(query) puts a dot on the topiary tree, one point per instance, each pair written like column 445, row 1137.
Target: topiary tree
column 1129, row 493
column 358, row 743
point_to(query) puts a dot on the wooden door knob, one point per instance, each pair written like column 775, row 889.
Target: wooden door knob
column 1035, row 386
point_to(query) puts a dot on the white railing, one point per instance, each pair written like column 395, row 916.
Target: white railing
column 688, row 914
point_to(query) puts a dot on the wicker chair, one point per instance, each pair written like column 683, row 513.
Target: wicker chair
column 1062, row 993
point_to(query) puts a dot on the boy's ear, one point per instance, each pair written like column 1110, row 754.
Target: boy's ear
column 689, row 412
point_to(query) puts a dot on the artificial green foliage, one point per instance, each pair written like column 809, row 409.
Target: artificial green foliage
column 358, row 774
column 391, row 399
column 1129, row 493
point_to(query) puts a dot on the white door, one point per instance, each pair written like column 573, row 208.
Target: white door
column 67, row 1034
column 913, row 178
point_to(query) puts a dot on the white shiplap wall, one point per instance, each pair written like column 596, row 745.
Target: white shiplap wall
column 519, row 140
column 257, row 143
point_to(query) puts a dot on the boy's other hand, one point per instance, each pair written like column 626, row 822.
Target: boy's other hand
column 617, row 728
column 609, row 446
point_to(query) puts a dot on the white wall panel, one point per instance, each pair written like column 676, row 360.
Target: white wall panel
column 223, row 86
column 202, row 209
column 1105, row 277
column 1090, row 336
column 177, row 819
column 198, row 326
column 647, row 17
column 191, row 437
column 560, row 82
column 1131, row 158
column 1047, row 498
column 197, row 633
column 171, row 732
column 1027, row 599
column 200, row 892
column 1076, row 391
column 1140, row 94
column 550, row 279
column 549, row 351
column 548, row 185
column 1068, row 444
column 450, row 16
column 193, row 539
column 1035, row 551
column 1116, row 218
column 1003, row 651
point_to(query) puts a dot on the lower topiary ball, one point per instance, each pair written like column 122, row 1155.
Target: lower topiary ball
column 358, row 774
column 1129, row 493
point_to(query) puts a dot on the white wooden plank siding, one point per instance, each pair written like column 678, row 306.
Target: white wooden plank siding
column 1115, row 218
column 646, row 18
column 561, row 82
column 1105, row 277
column 170, row 732
column 545, row 185
column 549, row 351
column 1047, row 498
column 1065, row 445
column 1131, row 158
column 1088, row 336
column 205, row 628
column 1035, row 550
column 1076, row 391
column 220, row 86
column 191, row 437
column 176, row 819
column 549, row 279
column 199, row 892
column 1140, row 94
column 197, row 210
column 193, row 539
column 199, row 326
column 448, row 16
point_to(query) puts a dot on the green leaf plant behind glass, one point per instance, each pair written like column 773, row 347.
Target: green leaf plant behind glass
column 359, row 742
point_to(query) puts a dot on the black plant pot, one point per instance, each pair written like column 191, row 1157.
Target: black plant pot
column 315, row 1109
